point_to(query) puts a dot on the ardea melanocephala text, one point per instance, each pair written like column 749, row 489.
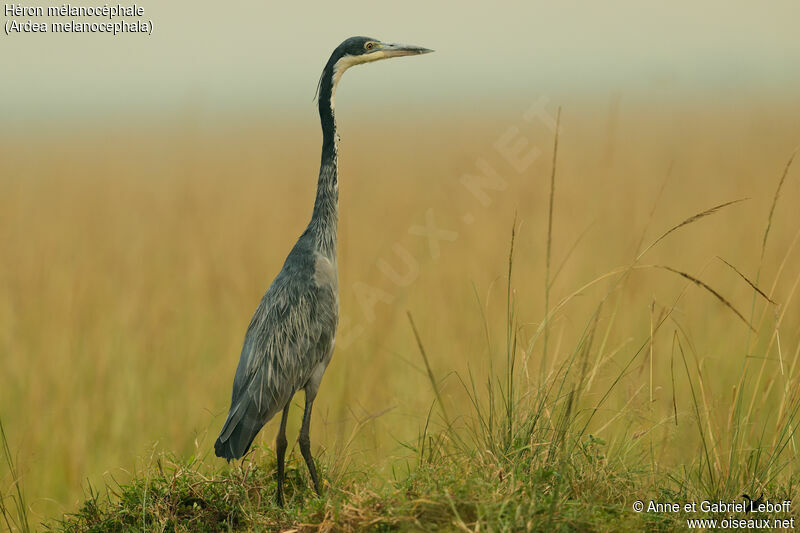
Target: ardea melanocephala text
column 290, row 338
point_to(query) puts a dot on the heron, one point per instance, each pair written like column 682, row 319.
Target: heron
column 291, row 336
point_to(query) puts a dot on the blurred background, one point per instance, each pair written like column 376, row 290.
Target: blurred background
column 251, row 57
column 151, row 187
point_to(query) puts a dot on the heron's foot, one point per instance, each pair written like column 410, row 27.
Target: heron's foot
column 312, row 471
column 279, row 498
column 305, row 449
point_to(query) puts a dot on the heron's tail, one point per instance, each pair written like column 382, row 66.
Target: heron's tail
column 241, row 427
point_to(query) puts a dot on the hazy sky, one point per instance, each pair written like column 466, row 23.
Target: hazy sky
column 234, row 55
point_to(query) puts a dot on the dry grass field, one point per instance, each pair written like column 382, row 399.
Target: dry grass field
column 132, row 257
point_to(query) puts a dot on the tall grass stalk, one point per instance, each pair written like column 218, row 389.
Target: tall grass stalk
column 547, row 281
column 739, row 426
column 16, row 519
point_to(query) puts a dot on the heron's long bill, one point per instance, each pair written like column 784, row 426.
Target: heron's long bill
column 397, row 50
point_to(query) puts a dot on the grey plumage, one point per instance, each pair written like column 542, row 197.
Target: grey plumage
column 291, row 335
column 290, row 339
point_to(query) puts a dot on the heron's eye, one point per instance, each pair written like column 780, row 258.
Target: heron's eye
column 369, row 46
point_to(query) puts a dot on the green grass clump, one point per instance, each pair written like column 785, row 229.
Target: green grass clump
column 179, row 496
column 441, row 495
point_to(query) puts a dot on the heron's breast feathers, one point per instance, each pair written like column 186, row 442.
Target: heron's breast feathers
column 291, row 332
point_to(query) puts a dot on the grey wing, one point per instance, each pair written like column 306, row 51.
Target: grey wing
column 290, row 334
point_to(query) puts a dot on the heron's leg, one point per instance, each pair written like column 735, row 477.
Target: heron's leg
column 305, row 442
column 280, row 450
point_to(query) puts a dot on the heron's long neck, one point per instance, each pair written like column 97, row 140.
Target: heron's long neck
column 326, row 205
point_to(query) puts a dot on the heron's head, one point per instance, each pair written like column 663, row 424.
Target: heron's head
column 358, row 50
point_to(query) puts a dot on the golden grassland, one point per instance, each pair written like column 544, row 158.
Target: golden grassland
column 131, row 261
